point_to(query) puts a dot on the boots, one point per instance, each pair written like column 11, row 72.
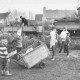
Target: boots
column 7, row 73
column 2, row 72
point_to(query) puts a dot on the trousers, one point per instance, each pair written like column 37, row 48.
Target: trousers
column 53, row 51
column 65, row 46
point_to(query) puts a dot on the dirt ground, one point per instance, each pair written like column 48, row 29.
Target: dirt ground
column 62, row 68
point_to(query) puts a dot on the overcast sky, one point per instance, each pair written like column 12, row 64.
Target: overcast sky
column 36, row 6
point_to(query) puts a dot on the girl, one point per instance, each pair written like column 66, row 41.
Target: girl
column 3, row 57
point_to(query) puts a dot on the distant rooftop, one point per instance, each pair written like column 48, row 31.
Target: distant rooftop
column 68, row 20
column 58, row 14
column 38, row 17
column 78, row 8
column 4, row 15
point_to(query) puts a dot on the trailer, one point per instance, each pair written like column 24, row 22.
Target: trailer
column 33, row 55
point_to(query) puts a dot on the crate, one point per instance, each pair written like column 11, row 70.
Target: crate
column 35, row 56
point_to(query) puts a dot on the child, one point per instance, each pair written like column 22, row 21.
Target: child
column 53, row 41
column 3, row 57
column 66, row 44
column 63, row 38
column 19, row 42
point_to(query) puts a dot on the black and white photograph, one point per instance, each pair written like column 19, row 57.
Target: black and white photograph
column 39, row 39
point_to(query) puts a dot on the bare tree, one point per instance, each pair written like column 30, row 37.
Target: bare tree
column 14, row 16
column 13, row 19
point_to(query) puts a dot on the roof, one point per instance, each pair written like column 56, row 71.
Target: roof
column 78, row 8
column 58, row 14
column 4, row 15
column 69, row 25
column 68, row 20
column 31, row 22
column 38, row 17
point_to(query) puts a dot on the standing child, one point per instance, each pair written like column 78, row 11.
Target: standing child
column 53, row 41
column 19, row 36
column 66, row 44
column 3, row 57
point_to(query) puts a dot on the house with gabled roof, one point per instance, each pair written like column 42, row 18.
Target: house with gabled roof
column 38, row 19
column 58, row 14
column 3, row 16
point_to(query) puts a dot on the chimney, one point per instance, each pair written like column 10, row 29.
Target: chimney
column 44, row 9
column 44, row 12
column 78, row 11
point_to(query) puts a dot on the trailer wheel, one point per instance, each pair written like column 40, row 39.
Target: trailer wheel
column 41, row 64
column 22, row 66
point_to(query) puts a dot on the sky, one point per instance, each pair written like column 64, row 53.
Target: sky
column 36, row 6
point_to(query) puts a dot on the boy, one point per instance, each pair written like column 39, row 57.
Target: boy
column 66, row 44
column 53, row 41
column 63, row 38
column 3, row 57
column 19, row 36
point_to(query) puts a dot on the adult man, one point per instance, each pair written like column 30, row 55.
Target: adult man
column 53, row 41
column 24, row 21
column 63, row 36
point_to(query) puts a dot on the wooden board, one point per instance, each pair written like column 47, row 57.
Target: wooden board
column 12, row 54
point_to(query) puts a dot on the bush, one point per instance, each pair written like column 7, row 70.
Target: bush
column 75, row 44
column 26, row 42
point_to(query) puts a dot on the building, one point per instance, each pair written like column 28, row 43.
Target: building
column 58, row 14
column 38, row 19
column 63, row 18
column 3, row 16
column 50, row 16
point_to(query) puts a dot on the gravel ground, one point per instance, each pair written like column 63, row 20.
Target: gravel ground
column 62, row 68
